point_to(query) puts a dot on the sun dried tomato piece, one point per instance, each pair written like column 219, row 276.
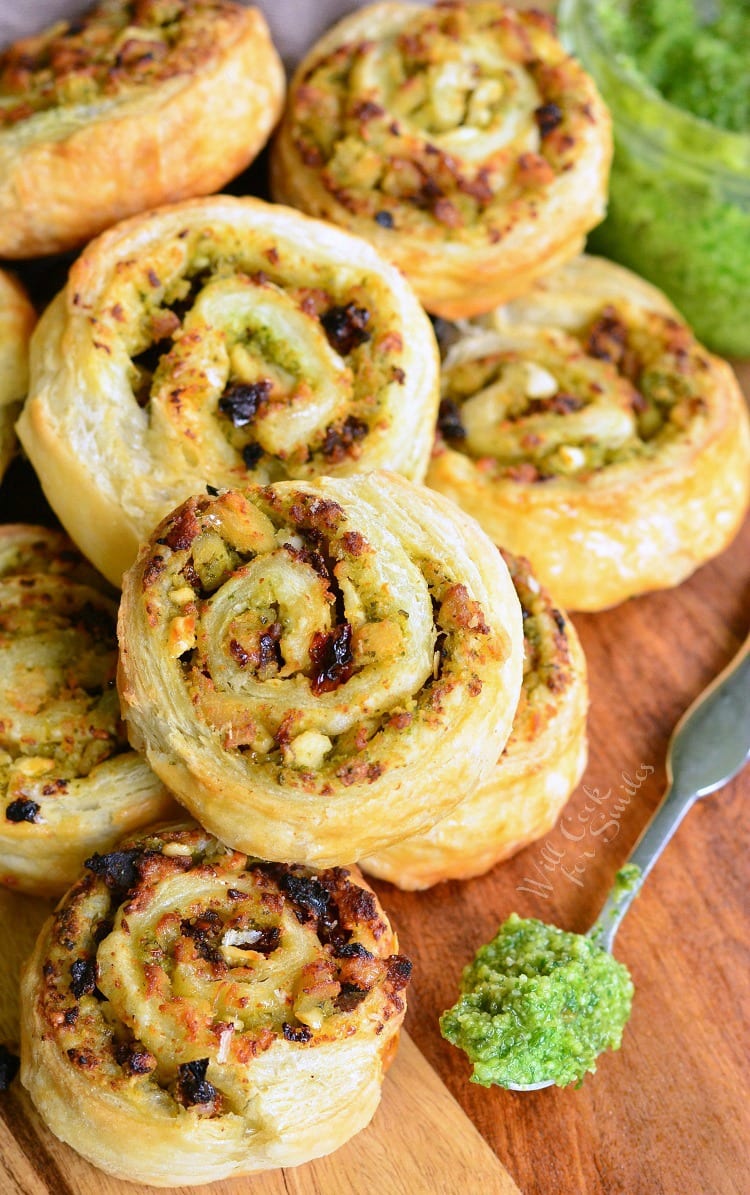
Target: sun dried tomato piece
column 332, row 659
column 346, row 327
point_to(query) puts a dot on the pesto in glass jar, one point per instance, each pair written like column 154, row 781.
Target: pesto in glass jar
column 678, row 88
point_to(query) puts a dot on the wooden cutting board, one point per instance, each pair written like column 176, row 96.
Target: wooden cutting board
column 419, row 1143
column 420, row 1140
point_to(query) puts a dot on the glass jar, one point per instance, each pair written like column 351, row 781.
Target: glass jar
column 679, row 201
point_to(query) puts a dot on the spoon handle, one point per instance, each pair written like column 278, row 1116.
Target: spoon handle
column 708, row 747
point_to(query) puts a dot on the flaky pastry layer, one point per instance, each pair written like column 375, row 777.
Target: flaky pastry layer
column 21, row 918
column 191, row 1013
column 584, row 426
column 316, row 669
column 127, row 107
column 461, row 140
column 540, row 766
column 69, row 783
column 221, row 341
column 17, row 319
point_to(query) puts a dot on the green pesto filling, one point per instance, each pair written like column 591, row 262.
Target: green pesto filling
column 613, row 419
column 279, row 348
column 538, row 1004
column 545, row 644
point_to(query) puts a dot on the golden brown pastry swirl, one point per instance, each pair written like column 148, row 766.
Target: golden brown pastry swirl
column 28, row 548
column 460, row 139
column 585, row 426
column 542, row 762
column 220, row 341
column 318, row 669
column 191, row 1013
column 68, row 780
column 128, row 106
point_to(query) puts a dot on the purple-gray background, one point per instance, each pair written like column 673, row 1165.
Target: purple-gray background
column 295, row 24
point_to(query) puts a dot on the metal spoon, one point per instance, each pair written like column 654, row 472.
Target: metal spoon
column 708, row 747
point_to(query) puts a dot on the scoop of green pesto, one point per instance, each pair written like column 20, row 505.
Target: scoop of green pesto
column 698, row 65
column 627, row 880
column 538, row 1004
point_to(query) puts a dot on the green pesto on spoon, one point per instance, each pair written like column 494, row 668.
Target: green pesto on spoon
column 539, row 1005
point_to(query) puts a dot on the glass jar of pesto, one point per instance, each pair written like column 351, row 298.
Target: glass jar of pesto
column 676, row 77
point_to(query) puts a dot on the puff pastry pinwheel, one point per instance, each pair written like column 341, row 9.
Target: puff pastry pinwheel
column 221, row 340
column 542, row 763
column 318, row 669
column 17, row 319
column 461, row 140
column 29, row 548
column 584, row 426
column 126, row 107
column 21, row 918
column 69, row 783
column 191, row 1013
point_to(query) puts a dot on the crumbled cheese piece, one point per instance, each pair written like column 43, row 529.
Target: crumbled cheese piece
column 571, row 457
column 263, row 741
column 240, row 937
column 182, row 596
column 308, row 749
column 539, row 382
column 182, row 635
column 225, row 1041
column 375, row 642
column 237, row 947
column 309, row 1014
column 34, row 765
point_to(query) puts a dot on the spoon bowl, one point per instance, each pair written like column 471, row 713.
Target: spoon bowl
column 708, row 747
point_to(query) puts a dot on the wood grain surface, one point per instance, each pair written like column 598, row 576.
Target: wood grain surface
column 667, row 1114
column 404, row 1151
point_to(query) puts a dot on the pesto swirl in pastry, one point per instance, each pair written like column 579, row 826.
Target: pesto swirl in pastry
column 27, row 548
column 69, row 782
column 461, row 140
column 542, row 762
column 128, row 106
column 221, row 340
column 17, row 319
column 585, row 426
column 191, row 1013
column 317, row 669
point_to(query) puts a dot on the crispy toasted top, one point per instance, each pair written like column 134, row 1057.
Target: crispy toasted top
column 110, row 51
